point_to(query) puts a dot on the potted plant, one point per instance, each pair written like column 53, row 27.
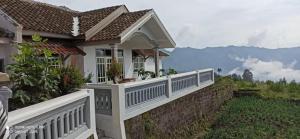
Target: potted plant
column 115, row 71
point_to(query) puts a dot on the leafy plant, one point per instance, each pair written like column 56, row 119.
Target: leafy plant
column 33, row 78
column 71, row 79
column 115, row 71
column 170, row 71
column 88, row 79
column 145, row 74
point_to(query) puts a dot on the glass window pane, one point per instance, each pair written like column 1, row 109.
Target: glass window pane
column 100, row 53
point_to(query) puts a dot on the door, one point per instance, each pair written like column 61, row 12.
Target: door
column 103, row 63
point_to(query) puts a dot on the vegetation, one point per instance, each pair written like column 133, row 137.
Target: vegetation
column 253, row 117
column 115, row 71
column 269, row 89
column 145, row 74
column 34, row 79
column 70, row 80
column 169, row 71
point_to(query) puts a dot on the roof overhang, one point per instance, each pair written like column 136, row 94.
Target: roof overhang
column 155, row 26
column 12, row 26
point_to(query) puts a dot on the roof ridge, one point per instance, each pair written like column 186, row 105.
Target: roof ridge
column 94, row 10
column 145, row 10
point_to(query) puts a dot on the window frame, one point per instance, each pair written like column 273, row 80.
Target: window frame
column 138, row 63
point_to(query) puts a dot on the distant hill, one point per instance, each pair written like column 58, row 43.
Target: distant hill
column 227, row 58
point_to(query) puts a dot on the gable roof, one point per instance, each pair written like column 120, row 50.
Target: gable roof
column 39, row 17
column 116, row 27
column 35, row 16
column 96, row 15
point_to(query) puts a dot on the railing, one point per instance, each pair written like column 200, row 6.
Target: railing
column 140, row 94
column 71, row 116
column 206, row 76
column 118, row 102
column 144, row 95
column 184, row 82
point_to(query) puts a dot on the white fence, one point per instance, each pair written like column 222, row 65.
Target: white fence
column 117, row 103
column 70, row 117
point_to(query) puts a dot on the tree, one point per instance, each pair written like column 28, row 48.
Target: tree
column 219, row 70
column 34, row 79
column 236, row 77
column 248, row 75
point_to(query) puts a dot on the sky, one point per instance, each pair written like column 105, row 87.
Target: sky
column 211, row 23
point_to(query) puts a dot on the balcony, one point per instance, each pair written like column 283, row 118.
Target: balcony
column 103, row 107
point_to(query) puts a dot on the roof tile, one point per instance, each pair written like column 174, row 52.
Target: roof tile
column 116, row 27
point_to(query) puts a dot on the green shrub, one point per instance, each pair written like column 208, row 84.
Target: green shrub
column 71, row 79
column 33, row 78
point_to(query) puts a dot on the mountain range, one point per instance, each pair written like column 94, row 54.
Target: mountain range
column 229, row 58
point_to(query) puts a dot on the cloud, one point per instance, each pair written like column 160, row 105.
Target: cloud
column 257, row 39
column 269, row 70
column 217, row 22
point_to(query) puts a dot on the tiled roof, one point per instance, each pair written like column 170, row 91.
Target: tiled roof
column 38, row 16
column 61, row 49
column 59, row 46
column 91, row 18
column 116, row 27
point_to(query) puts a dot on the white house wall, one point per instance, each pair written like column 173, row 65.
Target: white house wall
column 150, row 64
column 90, row 61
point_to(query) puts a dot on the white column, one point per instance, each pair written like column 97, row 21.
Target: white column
column 118, row 111
column 156, row 61
column 114, row 51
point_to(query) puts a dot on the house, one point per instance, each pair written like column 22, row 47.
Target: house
column 88, row 40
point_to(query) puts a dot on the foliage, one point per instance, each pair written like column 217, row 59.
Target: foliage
column 219, row 70
column 253, row 117
column 170, row 71
column 145, row 74
column 115, row 71
column 88, row 79
column 71, row 79
column 248, row 75
column 33, row 78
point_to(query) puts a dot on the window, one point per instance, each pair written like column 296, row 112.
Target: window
column 103, row 63
column 138, row 63
column 1, row 65
column 55, row 62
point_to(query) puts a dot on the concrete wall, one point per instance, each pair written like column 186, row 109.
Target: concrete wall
column 6, row 53
column 168, row 121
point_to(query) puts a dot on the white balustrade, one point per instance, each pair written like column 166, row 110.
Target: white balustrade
column 71, row 116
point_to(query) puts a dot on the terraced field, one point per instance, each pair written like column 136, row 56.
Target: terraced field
column 255, row 118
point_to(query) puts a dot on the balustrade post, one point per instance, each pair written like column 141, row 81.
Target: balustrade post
column 5, row 94
column 169, row 83
column 92, row 114
column 118, row 111
column 213, row 75
column 198, row 78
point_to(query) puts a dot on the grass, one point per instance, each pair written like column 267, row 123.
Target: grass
column 255, row 118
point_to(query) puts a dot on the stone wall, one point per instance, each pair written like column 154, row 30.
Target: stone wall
column 180, row 117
